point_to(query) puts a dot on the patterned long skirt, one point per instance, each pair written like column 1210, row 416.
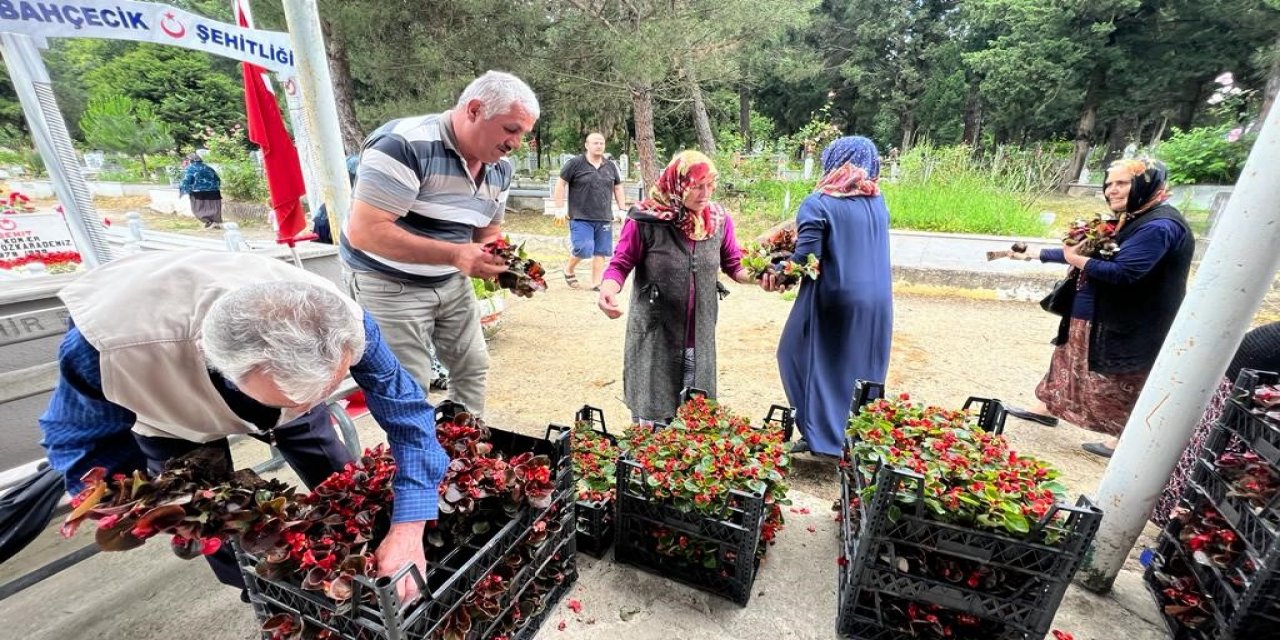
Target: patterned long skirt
column 1182, row 472
column 1094, row 401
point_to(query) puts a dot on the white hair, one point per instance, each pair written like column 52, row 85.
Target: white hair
column 295, row 333
column 499, row 92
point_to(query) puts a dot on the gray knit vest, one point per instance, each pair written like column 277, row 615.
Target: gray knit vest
column 652, row 364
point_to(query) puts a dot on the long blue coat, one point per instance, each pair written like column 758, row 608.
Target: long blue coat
column 841, row 327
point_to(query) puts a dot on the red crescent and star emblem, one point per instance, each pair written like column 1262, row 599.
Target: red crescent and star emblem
column 170, row 25
column 8, row 225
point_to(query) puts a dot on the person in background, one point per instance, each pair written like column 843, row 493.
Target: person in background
column 676, row 242
column 243, row 344
column 1259, row 349
column 203, row 185
column 1122, row 307
column 841, row 325
column 594, row 184
column 430, row 192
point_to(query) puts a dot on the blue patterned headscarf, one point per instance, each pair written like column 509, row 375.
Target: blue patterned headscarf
column 850, row 168
column 857, row 151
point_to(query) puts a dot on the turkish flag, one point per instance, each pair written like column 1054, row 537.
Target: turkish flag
column 279, row 156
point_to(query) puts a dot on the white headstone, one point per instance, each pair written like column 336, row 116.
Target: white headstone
column 1084, row 175
column 624, row 165
column 807, row 172
column 94, row 159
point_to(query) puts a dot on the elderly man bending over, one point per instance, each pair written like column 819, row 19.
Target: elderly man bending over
column 167, row 353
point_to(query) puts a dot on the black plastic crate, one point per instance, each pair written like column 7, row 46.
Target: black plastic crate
column 595, row 517
column 734, row 532
column 558, row 549
column 1036, row 575
column 865, row 615
column 1169, row 559
column 1245, row 591
column 447, row 581
column 781, row 417
column 990, row 413
column 1243, row 422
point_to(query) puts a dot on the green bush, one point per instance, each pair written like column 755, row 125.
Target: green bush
column 1204, row 155
column 244, row 182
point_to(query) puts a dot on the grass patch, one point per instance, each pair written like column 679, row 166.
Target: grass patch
column 960, row 206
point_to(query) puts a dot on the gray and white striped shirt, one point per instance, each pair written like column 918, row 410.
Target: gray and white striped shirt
column 411, row 167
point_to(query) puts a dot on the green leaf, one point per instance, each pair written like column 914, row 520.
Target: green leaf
column 895, row 513
column 1016, row 522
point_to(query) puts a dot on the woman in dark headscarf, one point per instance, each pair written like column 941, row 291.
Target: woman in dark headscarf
column 1122, row 310
column 676, row 241
column 841, row 326
column 204, row 186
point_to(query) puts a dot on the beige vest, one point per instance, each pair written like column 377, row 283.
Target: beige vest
column 143, row 314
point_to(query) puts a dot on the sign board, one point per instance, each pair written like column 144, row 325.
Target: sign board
column 27, row 233
column 147, row 22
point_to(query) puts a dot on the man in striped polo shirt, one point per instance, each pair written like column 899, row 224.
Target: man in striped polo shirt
column 430, row 192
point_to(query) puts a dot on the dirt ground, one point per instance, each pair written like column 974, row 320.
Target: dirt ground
column 557, row 351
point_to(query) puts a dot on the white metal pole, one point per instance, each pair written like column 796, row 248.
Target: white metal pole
column 302, row 139
column 1236, row 272
column 49, row 132
column 320, row 110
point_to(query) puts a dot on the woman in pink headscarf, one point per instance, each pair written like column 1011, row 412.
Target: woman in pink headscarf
column 676, row 242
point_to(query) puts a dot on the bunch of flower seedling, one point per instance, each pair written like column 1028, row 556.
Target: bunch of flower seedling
column 323, row 539
column 595, row 462
column 523, row 276
column 971, row 477
column 695, row 463
column 775, row 255
column 1250, row 478
column 1095, row 237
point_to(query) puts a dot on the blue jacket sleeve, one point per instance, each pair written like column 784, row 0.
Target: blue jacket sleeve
column 398, row 404
column 1139, row 254
column 811, row 226
column 1052, row 255
column 82, row 429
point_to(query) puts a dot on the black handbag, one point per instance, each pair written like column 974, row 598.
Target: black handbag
column 1062, row 297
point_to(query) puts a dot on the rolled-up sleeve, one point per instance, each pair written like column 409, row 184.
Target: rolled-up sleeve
column 399, row 406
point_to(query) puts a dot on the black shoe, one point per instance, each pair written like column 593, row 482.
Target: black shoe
column 1039, row 418
column 440, row 384
column 1098, row 449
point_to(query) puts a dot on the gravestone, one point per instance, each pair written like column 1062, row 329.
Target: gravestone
column 807, row 171
column 624, row 166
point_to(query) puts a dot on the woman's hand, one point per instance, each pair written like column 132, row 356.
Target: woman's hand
column 770, row 281
column 608, row 300
column 1071, row 255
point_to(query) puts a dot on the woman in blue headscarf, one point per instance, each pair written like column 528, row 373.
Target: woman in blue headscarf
column 841, row 326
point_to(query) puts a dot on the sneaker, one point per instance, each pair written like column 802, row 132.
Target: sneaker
column 801, row 446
